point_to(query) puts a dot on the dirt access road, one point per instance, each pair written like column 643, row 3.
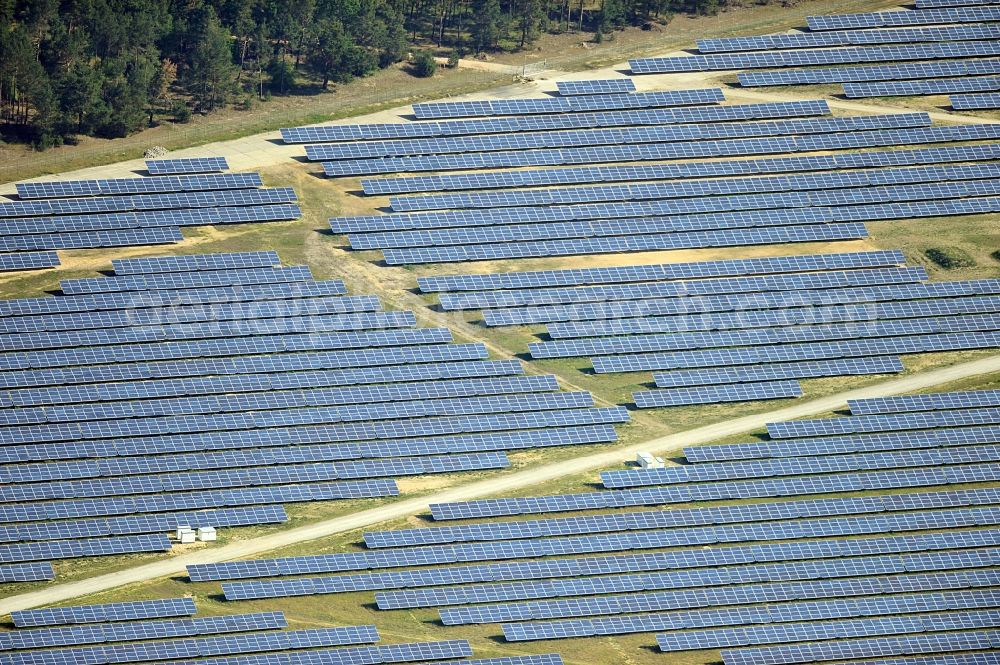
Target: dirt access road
column 480, row 489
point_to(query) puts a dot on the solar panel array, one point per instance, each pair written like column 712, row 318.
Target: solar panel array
column 595, row 87
column 79, row 214
column 914, row 567
column 206, row 390
column 975, row 102
column 729, row 331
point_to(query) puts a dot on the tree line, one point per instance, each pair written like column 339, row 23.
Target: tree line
column 109, row 68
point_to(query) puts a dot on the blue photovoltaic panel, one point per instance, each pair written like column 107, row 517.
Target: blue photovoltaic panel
column 763, row 318
column 928, row 402
column 942, row 86
column 909, row 70
column 687, row 288
column 605, row 136
column 132, row 611
column 595, row 87
column 973, row 102
column 185, row 280
column 173, row 203
column 657, row 152
column 792, row 58
column 708, row 187
column 503, row 124
column 908, row 645
column 27, row 572
column 28, row 261
column 882, row 423
column 179, row 298
column 583, row 175
column 777, row 561
column 92, row 239
column 140, row 630
column 847, row 38
column 187, row 165
column 73, row 549
column 784, row 352
column 662, row 271
column 389, row 653
column 639, row 243
column 902, row 18
column 158, row 264
column 802, row 370
column 601, row 543
column 437, row 110
column 837, row 445
column 649, row 520
column 261, row 641
column 934, row 4
column 66, row 188
column 740, row 392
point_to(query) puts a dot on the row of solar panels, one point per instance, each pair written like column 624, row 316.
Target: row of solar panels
column 638, row 152
column 131, row 211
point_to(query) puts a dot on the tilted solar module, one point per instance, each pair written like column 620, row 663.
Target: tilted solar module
column 903, row 18
column 788, row 281
column 27, row 572
column 663, row 271
column 491, row 107
column 656, row 152
column 706, row 187
column 917, row 70
column 801, row 370
column 922, row 87
column 137, row 202
column 660, row 519
column 974, row 102
column 740, row 392
column 637, row 243
column 388, row 653
column 140, row 630
column 576, row 120
column 595, row 87
column 760, row 562
column 925, row 402
column 837, row 445
column 186, row 165
column 90, row 239
column 722, row 575
column 864, row 648
column 162, row 650
column 130, row 611
column 935, row 4
column 72, row 549
column 118, row 186
column 792, row 58
column 583, row 175
column 882, row 422
column 784, row 352
column 28, row 261
column 185, row 280
column 847, row 38
column 160, row 264
column 605, row 136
